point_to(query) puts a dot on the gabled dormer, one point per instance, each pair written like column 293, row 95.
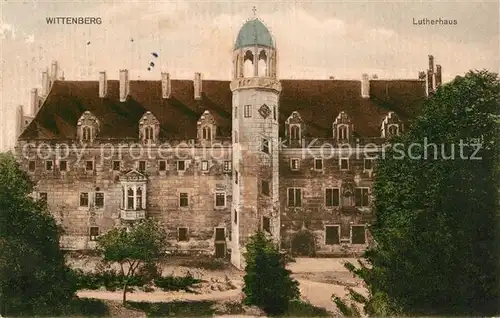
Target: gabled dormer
column 87, row 127
column 207, row 127
column 342, row 127
column 391, row 126
column 149, row 128
column 294, row 128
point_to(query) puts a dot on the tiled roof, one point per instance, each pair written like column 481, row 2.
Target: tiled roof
column 317, row 101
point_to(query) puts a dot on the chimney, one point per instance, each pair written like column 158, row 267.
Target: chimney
column 124, row 85
column 53, row 71
column 62, row 76
column 421, row 75
column 45, row 83
column 19, row 120
column 431, row 63
column 438, row 76
column 166, row 87
column 365, row 86
column 103, row 85
column 430, row 82
column 34, row 101
column 197, row 85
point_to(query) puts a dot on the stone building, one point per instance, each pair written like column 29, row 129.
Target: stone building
column 215, row 161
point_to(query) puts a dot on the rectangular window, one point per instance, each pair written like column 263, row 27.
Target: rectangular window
column 116, row 165
column 236, row 137
column 266, row 224
column 248, row 111
column 32, row 165
column 204, row 165
column 332, row 235
column 99, row 199
column 235, row 111
column 265, row 145
column 274, row 113
column 42, row 196
column 84, row 199
column 236, row 177
column 220, row 199
column 49, row 164
column 162, row 165
column 294, row 197
column 294, row 164
column 361, row 196
column 142, row 166
column 368, row 164
column 182, row 234
column 344, row 164
column 265, row 187
column 332, row 197
column 358, row 234
column 220, row 234
column 181, row 165
column 235, row 217
column 183, row 199
column 93, row 233
column 318, row 164
column 63, row 165
column 227, row 165
column 89, row 165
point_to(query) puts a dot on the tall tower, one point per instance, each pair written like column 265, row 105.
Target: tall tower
column 255, row 204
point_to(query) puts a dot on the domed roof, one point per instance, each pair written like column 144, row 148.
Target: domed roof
column 253, row 32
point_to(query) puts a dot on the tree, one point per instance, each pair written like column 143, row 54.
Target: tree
column 143, row 244
column 33, row 276
column 436, row 216
column 268, row 284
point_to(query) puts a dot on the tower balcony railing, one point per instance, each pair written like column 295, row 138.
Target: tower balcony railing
column 132, row 215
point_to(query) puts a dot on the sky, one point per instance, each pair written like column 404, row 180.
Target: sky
column 315, row 40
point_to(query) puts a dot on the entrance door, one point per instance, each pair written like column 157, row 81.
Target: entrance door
column 220, row 242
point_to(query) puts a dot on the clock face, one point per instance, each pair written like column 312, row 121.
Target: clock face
column 264, row 111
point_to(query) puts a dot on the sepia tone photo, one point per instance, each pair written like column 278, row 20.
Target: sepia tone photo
column 204, row 158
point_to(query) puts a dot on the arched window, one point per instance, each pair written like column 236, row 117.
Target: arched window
column 262, row 66
column 138, row 199
column 295, row 132
column 248, row 68
column 342, row 132
column 393, row 130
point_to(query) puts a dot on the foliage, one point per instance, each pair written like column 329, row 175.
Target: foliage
column 303, row 243
column 109, row 279
column 144, row 243
column 435, row 229
column 206, row 263
column 176, row 282
column 268, row 284
column 33, row 276
column 176, row 308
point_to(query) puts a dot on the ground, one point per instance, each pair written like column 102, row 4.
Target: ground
column 319, row 278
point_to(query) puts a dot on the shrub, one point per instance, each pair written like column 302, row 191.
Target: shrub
column 206, row 263
column 304, row 243
column 176, row 283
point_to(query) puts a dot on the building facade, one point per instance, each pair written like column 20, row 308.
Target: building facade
column 215, row 161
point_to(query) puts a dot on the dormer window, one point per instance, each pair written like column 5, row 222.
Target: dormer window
column 88, row 127
column 207, row 127
column 295, row 132
column 207, row 133
column 149, row 128
column 391, row 125
column 393, row 130
column 342, row 132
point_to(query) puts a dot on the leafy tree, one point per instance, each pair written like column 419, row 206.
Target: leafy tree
column 33, row 276
column 268, row 284
column 436, row 219
column 143, row 244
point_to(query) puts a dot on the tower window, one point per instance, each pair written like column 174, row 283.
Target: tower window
column 248, row 111
column 274, row 113
column 265, row 187
column 220, row 234
column 235, row 217
column 235, row 111
column 236, row 177
column 266, row 224
column 220, row 199
column 265, row 145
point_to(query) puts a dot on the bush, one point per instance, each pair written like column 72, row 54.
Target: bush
column 109, row 279
column 176, row 283
column 206, row 263
column 304, row 243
